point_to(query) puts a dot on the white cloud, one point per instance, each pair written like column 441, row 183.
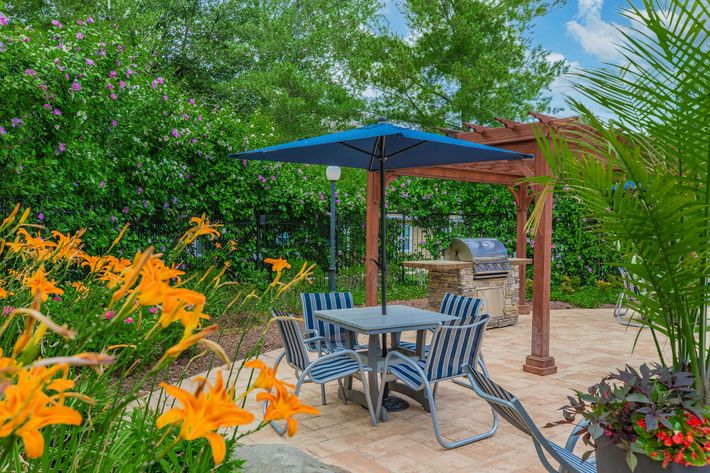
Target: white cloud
column 596, row 36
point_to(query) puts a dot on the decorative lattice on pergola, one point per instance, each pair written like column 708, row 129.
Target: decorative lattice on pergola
column 515, row 136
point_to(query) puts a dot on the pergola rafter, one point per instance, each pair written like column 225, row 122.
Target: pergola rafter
column 515, row 136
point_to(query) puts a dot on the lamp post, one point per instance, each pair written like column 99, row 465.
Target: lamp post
column 332, row 173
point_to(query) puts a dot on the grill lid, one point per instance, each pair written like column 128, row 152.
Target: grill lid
column 476, row 250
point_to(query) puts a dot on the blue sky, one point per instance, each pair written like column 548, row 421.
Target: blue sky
column 581, row 31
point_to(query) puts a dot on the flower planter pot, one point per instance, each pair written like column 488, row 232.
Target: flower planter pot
column 612, row 459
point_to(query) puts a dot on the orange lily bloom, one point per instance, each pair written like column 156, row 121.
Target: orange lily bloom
column 203, row 412
column 94, row 263
column 4, row 294
column 202, row 226
column 267, row 377
column 26, row 408
column 278, row 264
column 188, row 339
column 39, row 285
column 283, row 406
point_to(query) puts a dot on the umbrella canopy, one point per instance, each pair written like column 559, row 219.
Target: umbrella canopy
column 362, row 148
column 380, row 147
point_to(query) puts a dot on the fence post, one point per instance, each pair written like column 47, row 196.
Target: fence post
column 260, row 221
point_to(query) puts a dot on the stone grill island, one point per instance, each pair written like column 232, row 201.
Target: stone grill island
column 478, row 267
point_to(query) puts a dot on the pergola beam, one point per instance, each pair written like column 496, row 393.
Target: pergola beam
column 458, row 174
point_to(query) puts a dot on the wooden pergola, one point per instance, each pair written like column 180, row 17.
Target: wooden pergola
column 515, row 136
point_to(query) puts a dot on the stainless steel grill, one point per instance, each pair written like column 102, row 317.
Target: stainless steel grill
column 488, row 255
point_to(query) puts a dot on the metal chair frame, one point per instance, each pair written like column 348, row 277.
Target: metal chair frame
column 430, row 385
column 297, row 342
column 514, row 412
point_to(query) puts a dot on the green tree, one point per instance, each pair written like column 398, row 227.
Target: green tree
column 465, row 60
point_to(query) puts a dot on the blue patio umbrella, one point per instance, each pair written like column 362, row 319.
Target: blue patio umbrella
column 381, row 147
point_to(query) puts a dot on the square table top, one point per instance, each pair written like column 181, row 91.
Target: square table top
column 370, row 321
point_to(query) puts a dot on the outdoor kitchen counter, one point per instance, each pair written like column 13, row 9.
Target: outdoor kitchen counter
column 446, row 265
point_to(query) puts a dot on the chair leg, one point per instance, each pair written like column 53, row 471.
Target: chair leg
column 433, row 392
column 368, row 398
column 341, row 392
column 322, row 394
column 457, row 443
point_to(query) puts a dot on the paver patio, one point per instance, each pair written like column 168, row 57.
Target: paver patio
column 586, row 345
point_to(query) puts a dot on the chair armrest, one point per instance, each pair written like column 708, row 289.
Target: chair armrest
column 318, row 339
column 311, row 331
column 574, row 435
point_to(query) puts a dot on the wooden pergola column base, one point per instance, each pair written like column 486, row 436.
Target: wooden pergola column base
column 540, row 365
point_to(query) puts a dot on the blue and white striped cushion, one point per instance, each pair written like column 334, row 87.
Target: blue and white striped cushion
column 334, row 335
column 408, row 373
column 460, row 306
column 296, row 353
column 334, row 368
column 452, row 347
column 573, row 461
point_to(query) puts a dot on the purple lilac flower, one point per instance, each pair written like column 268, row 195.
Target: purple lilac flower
column 185, row 116
column 57, row 24
column 75, row 86
column 122, row 84
column 154, row 84
column 175, row 200
column 3, row 131
column 62, row 148
column 80, row 22
column 89, row 20
column 2, row 47
column 114, row 123
column 17, row 122
column 166, row 205
column 40, row 217
column 139, row 165
column 109, row 86
column 47, row 106
column 192, row 101
column 146, row 204
column 79, row 34
column 56, row 111
column 125, row 210
column 102, row 184
column 165, row 97
column 3, row 20
column 199, row 118
column 129, row 72
column 175, row 133
column 113, row 219
column 262, row 178
column 30, row 72
column 89, row 62
column 66, row 76
column 113, row 96
column 139, row 191
column 112, row 74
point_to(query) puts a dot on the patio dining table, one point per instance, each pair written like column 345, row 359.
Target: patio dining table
column 370, row 321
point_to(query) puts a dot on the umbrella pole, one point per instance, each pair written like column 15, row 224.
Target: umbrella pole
column 383, row 227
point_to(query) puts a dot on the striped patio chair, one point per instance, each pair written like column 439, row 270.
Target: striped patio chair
column 620, row 312
column 333, row 336
column 323, row 369
column 464, row 307
column 452, row 348
column 509, row 408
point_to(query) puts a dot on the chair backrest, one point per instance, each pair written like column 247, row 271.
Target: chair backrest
column 322, row 301
column 503, row 402
column 290, row 330
column 454, row 346
column 628, row 281
column 460, row 306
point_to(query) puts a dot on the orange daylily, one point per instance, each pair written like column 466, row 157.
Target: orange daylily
column 37, row 245
column 80, row 287
column 267, row 378
column 283, row 406
column 39, row 285
column 202, row 226
column 203, row 412
column 278, row 264
column 68, row 246
column 26, row 408
column 188, row 339
column 94, row 263
column 4, row 294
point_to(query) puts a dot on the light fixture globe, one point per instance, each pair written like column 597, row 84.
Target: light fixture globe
column 332, row 173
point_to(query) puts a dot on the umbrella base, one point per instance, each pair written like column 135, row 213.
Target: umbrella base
column 394, row 404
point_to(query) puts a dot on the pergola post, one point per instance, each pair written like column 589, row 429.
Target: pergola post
column 371, row 236
column 522, row 203
column 539, row 361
